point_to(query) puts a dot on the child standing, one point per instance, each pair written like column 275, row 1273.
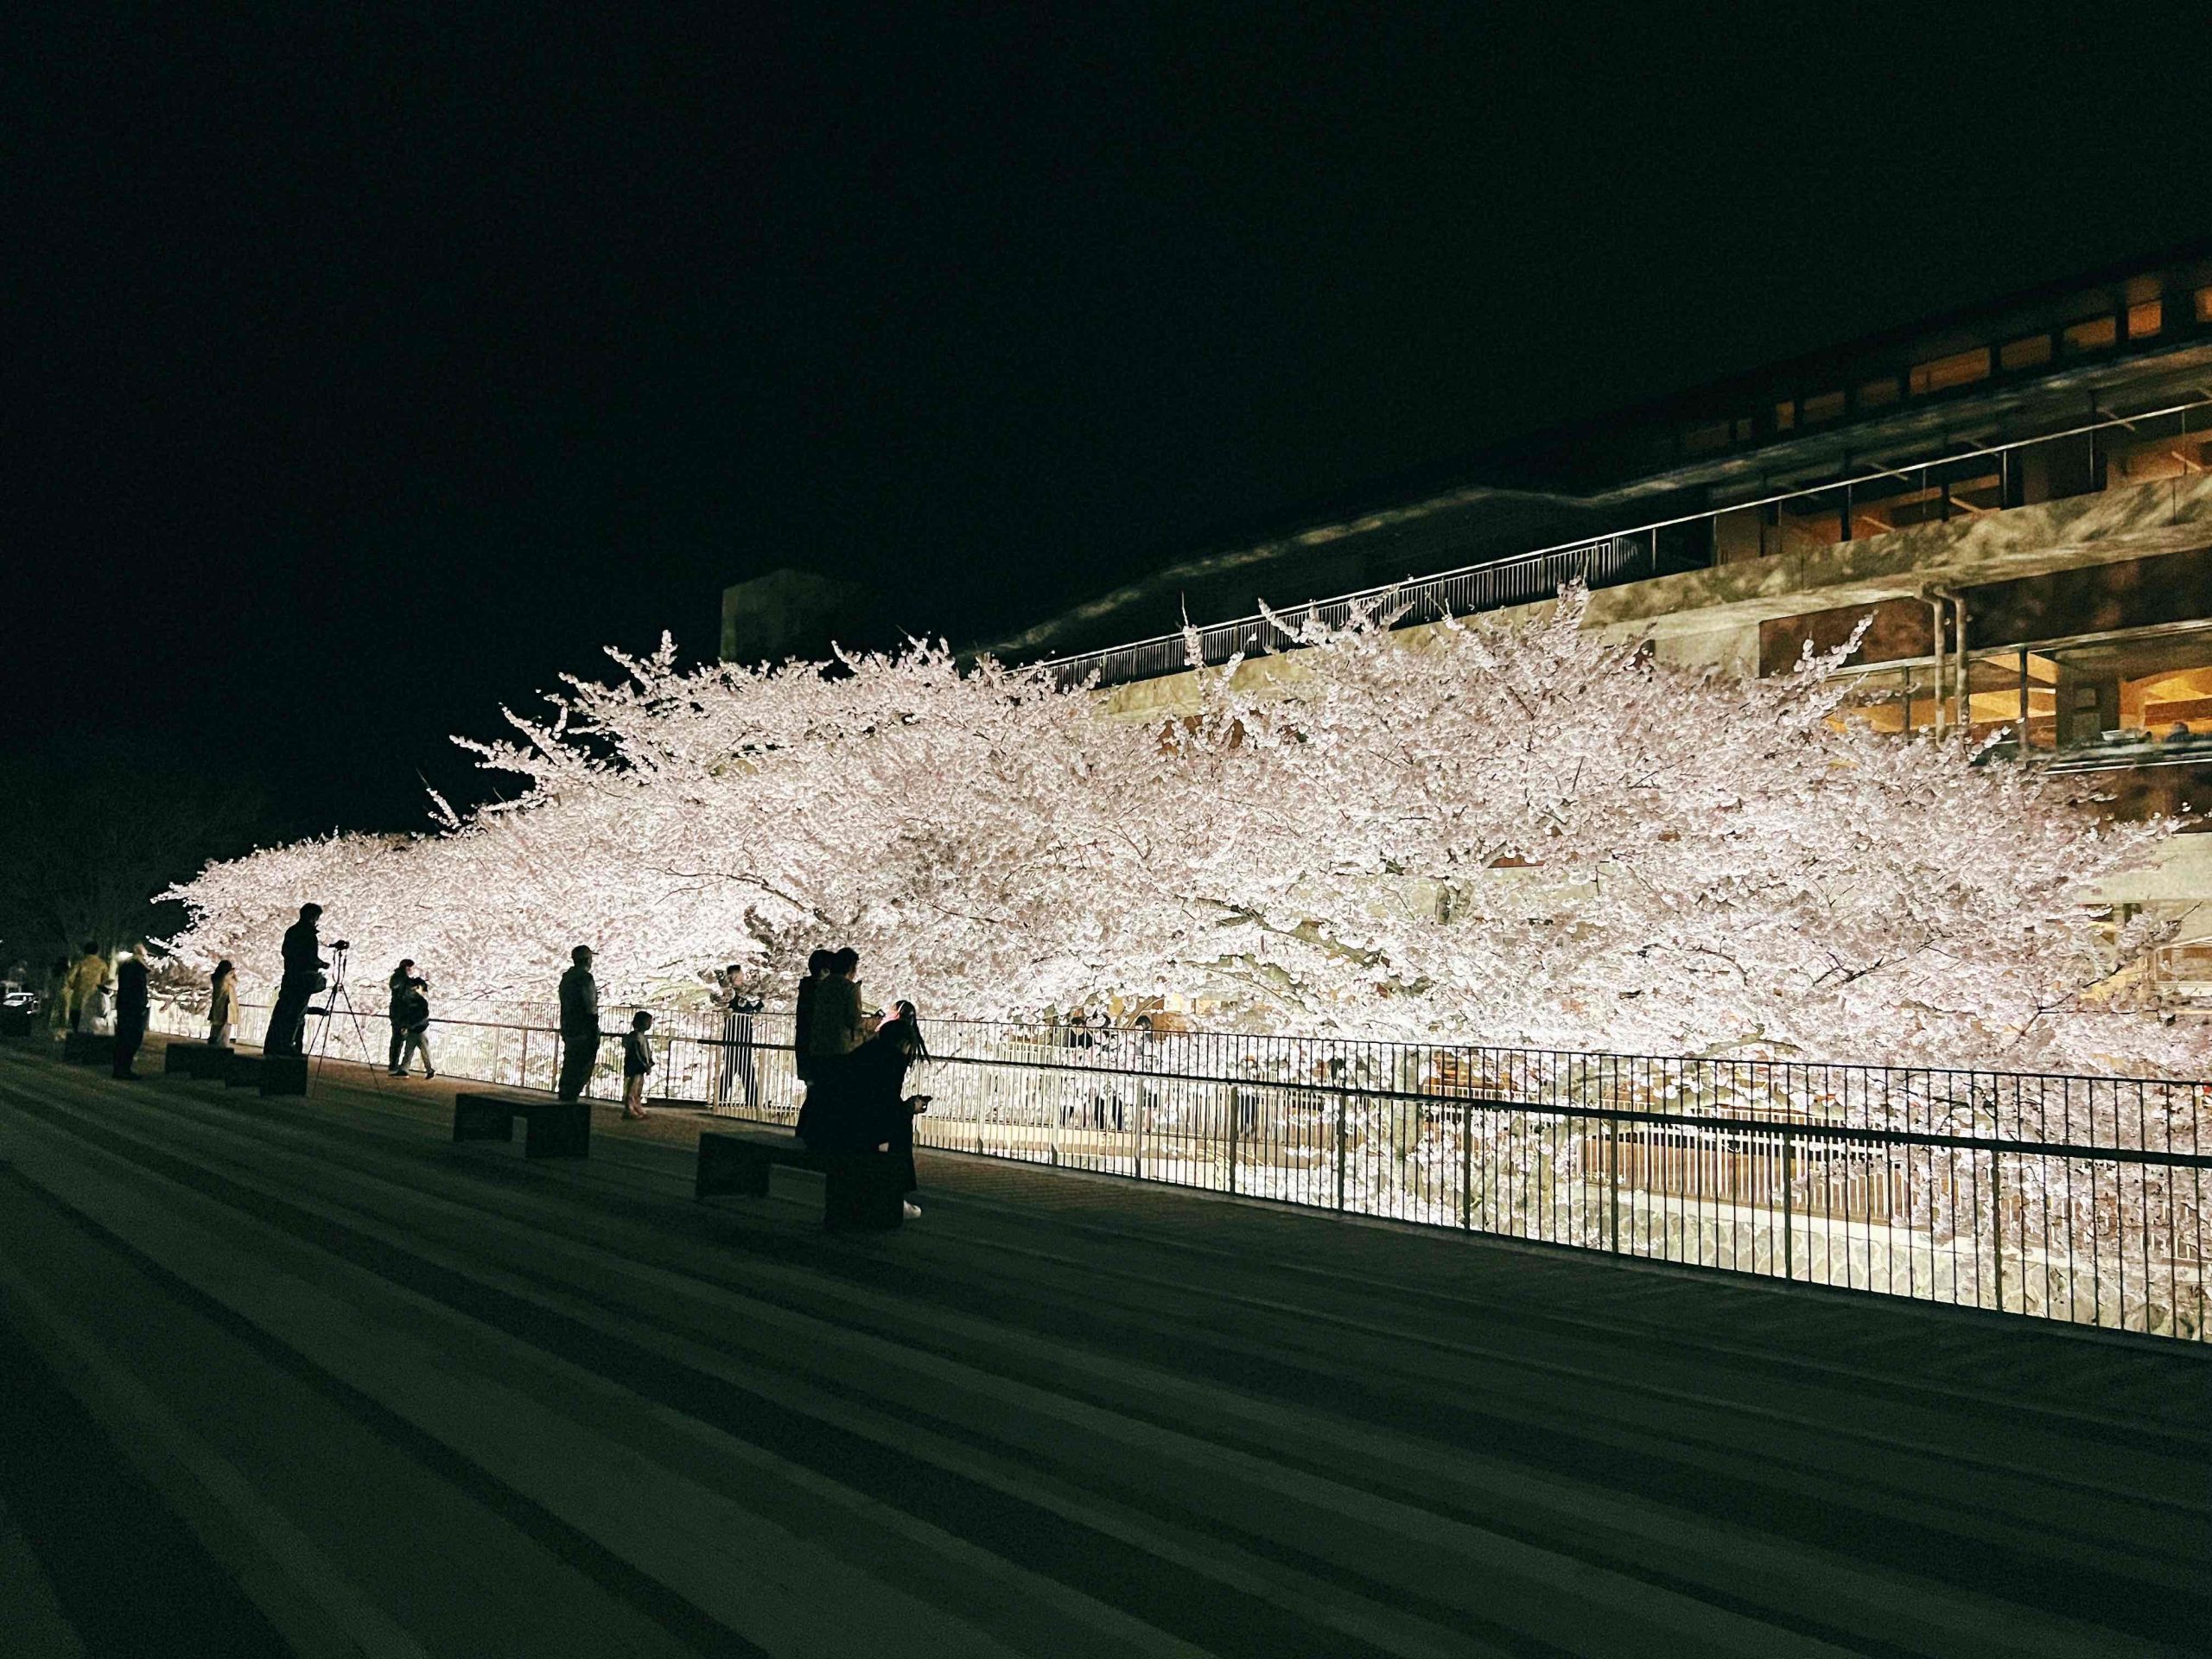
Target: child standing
column 637, row 1061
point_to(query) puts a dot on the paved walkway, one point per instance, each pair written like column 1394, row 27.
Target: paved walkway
column 305, row 1377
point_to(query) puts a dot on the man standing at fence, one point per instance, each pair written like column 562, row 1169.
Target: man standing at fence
column 579, row 1024
column 738, row 1072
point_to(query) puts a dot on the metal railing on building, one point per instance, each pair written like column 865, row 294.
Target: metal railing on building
column 2071, row 1198
column 1610, row 561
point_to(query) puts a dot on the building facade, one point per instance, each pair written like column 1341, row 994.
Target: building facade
column 2014, row 501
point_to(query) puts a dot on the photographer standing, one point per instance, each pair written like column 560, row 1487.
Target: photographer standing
column 303, row 966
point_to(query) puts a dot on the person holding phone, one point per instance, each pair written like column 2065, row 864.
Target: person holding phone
column 872, row 1090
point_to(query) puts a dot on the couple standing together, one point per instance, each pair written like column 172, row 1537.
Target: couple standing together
column 854, row 1068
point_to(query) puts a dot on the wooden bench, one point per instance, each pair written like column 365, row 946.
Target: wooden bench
column 860, row 1190
column 558, row 1128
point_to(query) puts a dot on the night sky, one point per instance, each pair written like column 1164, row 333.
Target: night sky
column 369, row 371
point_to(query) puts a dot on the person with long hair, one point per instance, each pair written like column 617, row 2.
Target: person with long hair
column 222, row 1004
column 872, row 1092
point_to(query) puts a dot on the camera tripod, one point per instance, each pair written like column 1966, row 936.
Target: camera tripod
column 334, row 1002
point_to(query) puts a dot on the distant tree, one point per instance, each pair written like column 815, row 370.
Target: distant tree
column 91, row 833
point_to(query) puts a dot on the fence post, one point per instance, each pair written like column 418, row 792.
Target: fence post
column 1236, row 1112
column 1613, row 1184
column 1997, row 1225
column 1788, row 1230
column 1467, row 1166
column 525, row 1057
column 1342, row 1107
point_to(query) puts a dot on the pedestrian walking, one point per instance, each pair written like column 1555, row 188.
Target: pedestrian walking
column 636, row 1063
column 222, row 1004
column 580, row 1032
column 410, row 1025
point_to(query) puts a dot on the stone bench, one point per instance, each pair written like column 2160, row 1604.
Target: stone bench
column 88, row 1048
column 860, row 1191
column 556, row 1129
column 268, row 1074
column 203, row 1063
column 281, row 1074
column 194, row 1060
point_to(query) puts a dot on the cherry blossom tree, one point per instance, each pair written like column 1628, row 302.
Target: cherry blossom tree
column 1508, row 833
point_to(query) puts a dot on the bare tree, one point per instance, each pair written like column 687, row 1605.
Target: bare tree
column 90, row 834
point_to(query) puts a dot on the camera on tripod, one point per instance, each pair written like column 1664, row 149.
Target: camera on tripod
column 341, row 944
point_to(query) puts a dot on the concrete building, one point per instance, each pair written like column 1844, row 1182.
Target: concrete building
column 2017, row 496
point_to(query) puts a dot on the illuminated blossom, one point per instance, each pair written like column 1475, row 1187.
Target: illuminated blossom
column 1514, row 835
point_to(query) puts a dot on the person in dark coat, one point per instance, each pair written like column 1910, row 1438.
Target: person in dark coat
column 303, row 966
column 871, row 1108
column 580, row 1034
column 130, row 1010
column 804, row 1013
column 817, row 968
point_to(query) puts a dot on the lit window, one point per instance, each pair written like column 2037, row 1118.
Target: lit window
column 2145, row 320
column 2204, row 305
column 1785, row 415
column 1875, row 393
column 2024, row 353
column 1960, row 369
column 1825, row 407
column 2090, row 335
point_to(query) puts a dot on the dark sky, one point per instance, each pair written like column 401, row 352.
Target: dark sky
column 370, row 370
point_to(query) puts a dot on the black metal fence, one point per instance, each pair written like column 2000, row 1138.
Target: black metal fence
column 2081, row 1198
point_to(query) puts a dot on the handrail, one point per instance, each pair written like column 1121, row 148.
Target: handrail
column 1414, row 586
column 2075, row 1199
